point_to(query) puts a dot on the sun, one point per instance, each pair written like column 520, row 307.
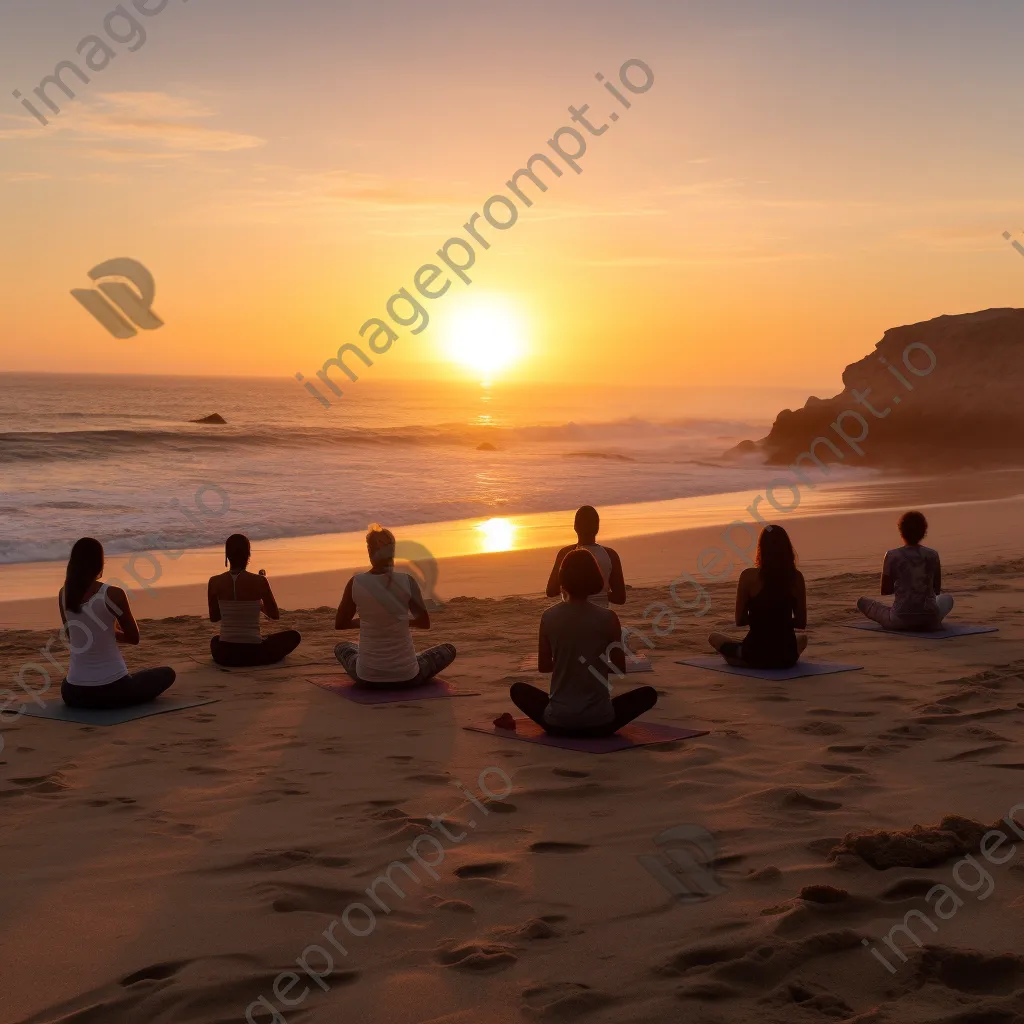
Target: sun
column 497, row 534
column 485, row 335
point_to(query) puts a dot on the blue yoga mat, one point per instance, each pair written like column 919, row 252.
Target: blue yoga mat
column 798, row 671
column 58, row 711
column 946, row 633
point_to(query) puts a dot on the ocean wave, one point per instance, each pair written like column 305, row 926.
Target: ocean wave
column 64, row 445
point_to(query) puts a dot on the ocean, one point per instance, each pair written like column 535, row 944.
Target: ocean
column 118, row 458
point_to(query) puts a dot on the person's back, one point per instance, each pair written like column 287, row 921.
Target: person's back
column 579, row 633
column 913, row 569
column 604, row 563
column 913, row 575
column 771, row 641
column 239, row 596
column 386, row 649
column 95, row 658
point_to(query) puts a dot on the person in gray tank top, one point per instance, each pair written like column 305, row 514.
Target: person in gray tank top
column 579, row 642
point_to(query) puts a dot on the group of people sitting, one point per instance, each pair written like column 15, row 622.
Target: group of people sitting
column 580, row 642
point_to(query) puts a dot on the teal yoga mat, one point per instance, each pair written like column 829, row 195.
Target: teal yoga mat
column 58, row 711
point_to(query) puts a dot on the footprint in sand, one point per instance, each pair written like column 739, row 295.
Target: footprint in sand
column 570, row 773
column 821, row 729
column 501, row 806
column 476, row 956
column 55, row 782
column 155, row 972
column 553, row 847
column 452, row 906
column 564, row 1000
column 319, row 899
column 483, row 869
column 852, row 748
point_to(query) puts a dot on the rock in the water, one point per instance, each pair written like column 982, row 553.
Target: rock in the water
column 215, row 418
column 486, row 447
column 934, row 393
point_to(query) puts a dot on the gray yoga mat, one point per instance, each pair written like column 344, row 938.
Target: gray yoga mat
column 58, row 711
column 946, row 633
column 798, row 671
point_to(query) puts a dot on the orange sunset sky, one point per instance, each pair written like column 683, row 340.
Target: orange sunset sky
column 801, row 176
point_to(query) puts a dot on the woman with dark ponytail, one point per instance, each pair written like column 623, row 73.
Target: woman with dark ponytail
column 96, row 619
column 771, row 599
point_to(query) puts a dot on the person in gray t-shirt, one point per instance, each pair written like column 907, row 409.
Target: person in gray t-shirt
column 579, row 643
column 913, row 573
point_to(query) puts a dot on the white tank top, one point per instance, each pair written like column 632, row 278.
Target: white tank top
column 239, row 620
column 604, row 563
column 386, row 651
column 95, row 657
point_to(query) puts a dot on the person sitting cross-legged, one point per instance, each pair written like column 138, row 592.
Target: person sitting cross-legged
column 579, row 642
column 389, row 605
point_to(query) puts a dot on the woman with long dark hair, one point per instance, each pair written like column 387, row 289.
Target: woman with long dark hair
column 385, row 605
column 236, row 600
column 771, row 599
column 97, row 617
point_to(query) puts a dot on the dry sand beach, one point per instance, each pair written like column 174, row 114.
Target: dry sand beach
column 175, row 868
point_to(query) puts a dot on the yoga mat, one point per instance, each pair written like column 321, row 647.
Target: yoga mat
column 798, row 671
column 436, row 689
column 946, row 633
column 634, row 663
column 58, row 711
column 636, row 734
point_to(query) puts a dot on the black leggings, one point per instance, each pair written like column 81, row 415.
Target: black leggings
column 126, row 692
column 268, row 652
column 627, row 706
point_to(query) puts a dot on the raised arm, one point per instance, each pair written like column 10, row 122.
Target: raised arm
column 268, row 601
column 800, row 603
column 554, row 589
column 616, row 582
column 346, row 616
column 127, row 629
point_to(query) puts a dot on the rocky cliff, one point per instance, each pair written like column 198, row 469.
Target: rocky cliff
column 949, row 391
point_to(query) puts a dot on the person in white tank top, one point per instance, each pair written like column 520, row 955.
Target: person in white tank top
column 236, row 600
column 388, row 605
column 97, row 617
column 586, row 525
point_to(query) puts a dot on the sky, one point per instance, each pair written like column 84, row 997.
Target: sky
column 799, row 177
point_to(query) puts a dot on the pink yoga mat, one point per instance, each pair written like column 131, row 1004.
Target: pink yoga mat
column 436, row 689
column 636, row 734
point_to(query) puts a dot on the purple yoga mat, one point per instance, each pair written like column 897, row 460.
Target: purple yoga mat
column 436, row 689
column 636, row 734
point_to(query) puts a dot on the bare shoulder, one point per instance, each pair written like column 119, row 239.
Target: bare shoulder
column 750, row 574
